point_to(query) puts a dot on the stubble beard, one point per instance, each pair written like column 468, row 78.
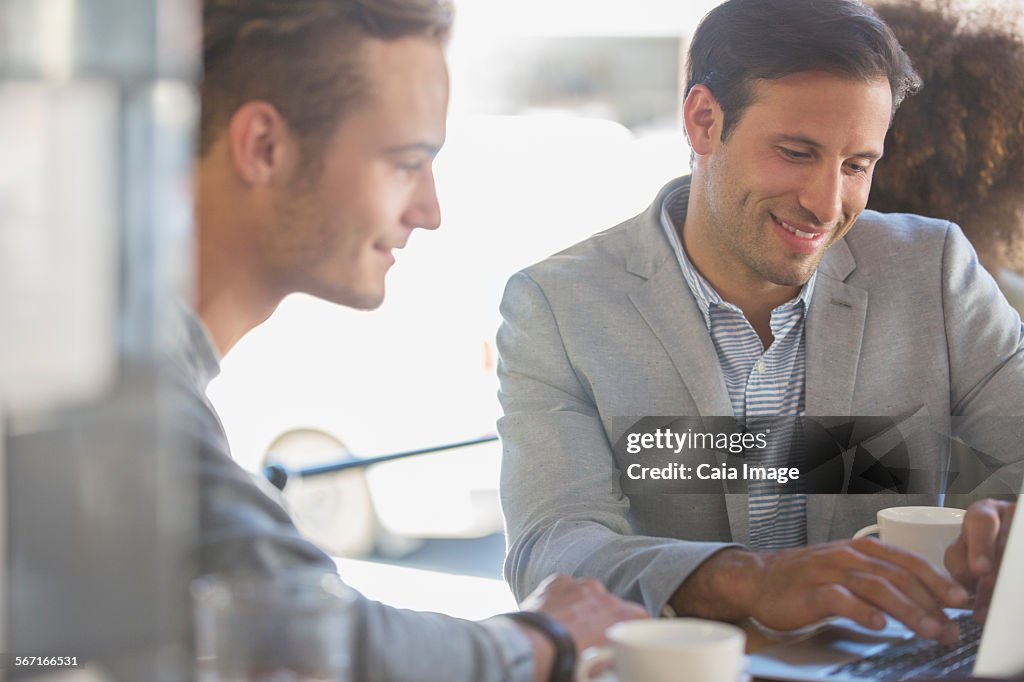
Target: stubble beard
column 751, row 241
column 795, row 276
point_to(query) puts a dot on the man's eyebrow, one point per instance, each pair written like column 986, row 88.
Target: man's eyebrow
column 430, row 149
column 808, row 142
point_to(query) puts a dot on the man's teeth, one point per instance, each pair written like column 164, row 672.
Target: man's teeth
column 798, row 233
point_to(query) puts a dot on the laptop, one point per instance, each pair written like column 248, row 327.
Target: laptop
column 842, row 651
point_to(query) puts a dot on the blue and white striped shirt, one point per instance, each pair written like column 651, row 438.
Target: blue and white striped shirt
column 761, row 383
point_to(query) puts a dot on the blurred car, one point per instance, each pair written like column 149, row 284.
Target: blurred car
column 338, row 511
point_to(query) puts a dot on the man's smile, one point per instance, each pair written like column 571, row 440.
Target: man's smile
column 799, row 237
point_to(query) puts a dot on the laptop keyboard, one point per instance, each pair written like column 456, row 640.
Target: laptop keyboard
column 922, row 658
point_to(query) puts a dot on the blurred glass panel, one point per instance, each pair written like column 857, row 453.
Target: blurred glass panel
column 97, row 111
column 129, row 39
column 58, row 240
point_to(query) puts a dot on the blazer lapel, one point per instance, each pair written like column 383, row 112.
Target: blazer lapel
column 664, row 301
column 670, row 311
column 835, row 329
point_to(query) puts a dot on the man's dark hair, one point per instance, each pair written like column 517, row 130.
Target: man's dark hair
column 743, row 41
column 302, row 56
column 956, row 150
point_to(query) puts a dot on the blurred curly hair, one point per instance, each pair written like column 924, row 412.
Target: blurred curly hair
column 956, row 149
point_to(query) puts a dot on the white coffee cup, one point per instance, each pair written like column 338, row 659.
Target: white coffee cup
column 669, row 650
column 928, row 531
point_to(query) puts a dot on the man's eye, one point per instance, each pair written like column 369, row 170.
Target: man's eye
column 794, row 154
column 410, row 166
column 858, row 168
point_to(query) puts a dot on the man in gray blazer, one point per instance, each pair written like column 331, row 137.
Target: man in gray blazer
column 756, row 287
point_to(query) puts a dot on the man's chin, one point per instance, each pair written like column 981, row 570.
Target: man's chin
column 352, row 298
column 792, row 280
column 792, row 274
column 364, row 301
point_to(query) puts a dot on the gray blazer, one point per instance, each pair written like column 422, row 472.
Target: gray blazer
column 903, row 321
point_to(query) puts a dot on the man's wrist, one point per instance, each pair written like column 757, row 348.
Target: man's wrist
column 554, row 651
column 543, row 652
column 724, row 587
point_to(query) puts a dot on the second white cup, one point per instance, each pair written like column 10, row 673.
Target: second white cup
column 670, row 650
column 928, row 531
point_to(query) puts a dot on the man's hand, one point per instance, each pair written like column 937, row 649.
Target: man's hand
column 584, row 607
column 975, row 556
column 860, row 579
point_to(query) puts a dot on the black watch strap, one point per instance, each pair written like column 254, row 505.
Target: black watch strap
column 565, row 648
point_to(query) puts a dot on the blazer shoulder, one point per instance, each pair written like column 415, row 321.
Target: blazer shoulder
column 599, row 254
column 635, row 248
column 894, row 239
column 894, row 229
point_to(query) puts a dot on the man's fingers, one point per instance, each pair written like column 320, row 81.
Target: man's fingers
column 553, row 580
column 632, row 611
column 836, row 600
column 983, row 596
column 899, row 583
column 915, row 575
column 1006, row 512
column 956, row 563
column 862, row 580
column 560, row 588
column 592, row 586
column 865, row 598
column 585, row 594
column 980, row 530
column 926, row 619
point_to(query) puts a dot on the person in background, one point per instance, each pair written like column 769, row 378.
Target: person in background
column 320, row 122
column 956, row 149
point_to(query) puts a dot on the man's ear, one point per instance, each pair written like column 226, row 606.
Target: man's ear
column 702, row 118
column 260, row 142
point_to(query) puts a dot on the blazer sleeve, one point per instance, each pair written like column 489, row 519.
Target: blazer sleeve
column 560, row 492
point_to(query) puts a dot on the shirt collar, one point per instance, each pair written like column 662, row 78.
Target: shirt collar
column 196, row 347
column 673, row 212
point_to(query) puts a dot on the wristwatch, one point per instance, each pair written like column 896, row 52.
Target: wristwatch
column 565, row 648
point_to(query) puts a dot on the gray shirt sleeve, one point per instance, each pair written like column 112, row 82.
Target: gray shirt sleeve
column 243, row 529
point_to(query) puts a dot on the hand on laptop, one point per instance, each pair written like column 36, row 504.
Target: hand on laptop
column 584, row 607
column 975, row 556
column 859, row 579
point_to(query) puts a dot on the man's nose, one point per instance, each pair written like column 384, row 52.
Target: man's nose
column 424, row 210
column 823, row 195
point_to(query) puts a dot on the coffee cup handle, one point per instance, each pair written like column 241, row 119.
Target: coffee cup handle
column 866, row 530
column 592, row 658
